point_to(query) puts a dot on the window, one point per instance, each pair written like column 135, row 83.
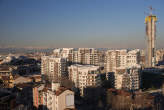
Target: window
column 69, row 100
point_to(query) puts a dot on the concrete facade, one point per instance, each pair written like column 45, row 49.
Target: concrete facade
column 84, row 76
column 150, row 22
column 54, row 67
column 121, row 59
column 58, row 98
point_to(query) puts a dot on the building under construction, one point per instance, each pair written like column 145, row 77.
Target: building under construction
column 150, row 22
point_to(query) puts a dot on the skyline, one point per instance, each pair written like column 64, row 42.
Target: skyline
column 77, row 23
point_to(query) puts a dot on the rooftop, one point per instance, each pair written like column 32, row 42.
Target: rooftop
column 60, row 90
column 5, row 68
column 87, row 67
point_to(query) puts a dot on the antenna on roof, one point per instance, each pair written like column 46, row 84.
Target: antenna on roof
column 151, row 10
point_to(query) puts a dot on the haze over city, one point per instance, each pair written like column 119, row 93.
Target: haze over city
column 77, row 23
column 81, row 55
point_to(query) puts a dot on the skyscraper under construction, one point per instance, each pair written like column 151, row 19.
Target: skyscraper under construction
column 150, row 22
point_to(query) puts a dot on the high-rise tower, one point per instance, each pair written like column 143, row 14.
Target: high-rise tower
column 150, row 22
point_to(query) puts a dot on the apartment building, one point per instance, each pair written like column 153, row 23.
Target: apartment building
column 121, row 58
column 58, row 98
column 37, row 95
column 118, row 78
column 84, row 76
column 132, row 79
column 57, row 52
column 160, row 56
column 133, row 57
column 53, row 97
column 62, row 52
column 89, row 56
column 128, row 79
column 54, row 67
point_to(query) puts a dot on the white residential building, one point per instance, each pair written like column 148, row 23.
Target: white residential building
column 118, row 78
column 121, row 58
column 57, row 52
column 53, row 66
column 88, row 56
column 58, row 98
column 84, row 75
column 133, row 58
column 66, row 52
column 63, row 52
column 128, row 79
column 132, row 79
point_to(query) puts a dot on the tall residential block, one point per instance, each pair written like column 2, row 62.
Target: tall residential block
column 53, row 67
column 132, row 79
column 84, row 76
column 121, row 59
column 150, row 22
column 128, row 79
column 88, row 56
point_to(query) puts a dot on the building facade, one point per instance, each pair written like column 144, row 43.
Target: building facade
column 37, row 95
column 132, row 79
column 159, row 56
column 52, row 97
column 121, row 59
column 84, row 76
column 53, row 67
column 150, row 22
column 88, row 56
column 128, row 79
column 58, row 98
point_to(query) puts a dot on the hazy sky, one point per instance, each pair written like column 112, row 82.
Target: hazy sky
column 78, row 23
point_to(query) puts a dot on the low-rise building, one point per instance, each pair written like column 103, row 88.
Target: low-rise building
column 53, row 97
column 7, row 81
column 5, row 70
column 37, row 95
column 21, row 79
